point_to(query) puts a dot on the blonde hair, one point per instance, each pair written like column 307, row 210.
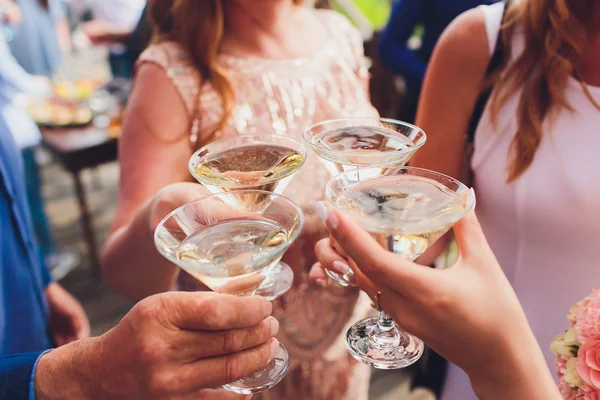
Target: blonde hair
column 198, row 26
column 556, row 35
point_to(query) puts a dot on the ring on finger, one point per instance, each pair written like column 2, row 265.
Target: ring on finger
column 375, row 303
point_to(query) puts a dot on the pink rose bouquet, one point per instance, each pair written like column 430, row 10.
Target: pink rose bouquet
column 578, row 351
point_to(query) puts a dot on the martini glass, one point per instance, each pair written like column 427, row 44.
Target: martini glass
column 229, row 248
column 351, row 143
column 406, row 210
column 264, row 163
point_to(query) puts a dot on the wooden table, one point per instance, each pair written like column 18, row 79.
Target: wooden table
column 77, row 149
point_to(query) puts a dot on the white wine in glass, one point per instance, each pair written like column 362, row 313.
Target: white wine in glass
column 265, row 164
column 345, row 144
column 406, row 210
column 230, row 250
column 405, row 213
column 350, row 143
column 232, row 255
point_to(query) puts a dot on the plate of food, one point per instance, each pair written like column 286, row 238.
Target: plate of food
column 54, row 113
column 78, row 90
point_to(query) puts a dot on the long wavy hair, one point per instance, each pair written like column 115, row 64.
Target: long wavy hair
column 556, row 35
column 199, row 27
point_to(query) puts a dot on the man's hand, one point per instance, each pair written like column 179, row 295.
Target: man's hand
column 101, row 32
column 68, row 321
column 169, row 346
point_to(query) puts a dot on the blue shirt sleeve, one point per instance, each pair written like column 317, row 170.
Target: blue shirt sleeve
column 13, row 75
column 45, row 271
column 16, row 376
column 57, row 9
column 406, row 15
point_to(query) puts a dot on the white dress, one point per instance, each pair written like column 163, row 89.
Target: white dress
column 544, row 228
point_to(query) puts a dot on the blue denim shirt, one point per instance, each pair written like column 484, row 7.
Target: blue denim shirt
column 24, row 334
column 35, row 45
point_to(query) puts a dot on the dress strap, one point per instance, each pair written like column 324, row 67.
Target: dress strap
column 183, row 75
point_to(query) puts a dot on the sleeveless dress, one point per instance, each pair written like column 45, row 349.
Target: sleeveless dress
column 544, row 227
column 284, row 97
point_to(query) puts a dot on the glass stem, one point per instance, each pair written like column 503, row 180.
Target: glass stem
column 385, row 323
column 385, row 335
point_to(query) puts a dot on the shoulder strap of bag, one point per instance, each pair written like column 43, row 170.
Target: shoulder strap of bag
column 495, row 62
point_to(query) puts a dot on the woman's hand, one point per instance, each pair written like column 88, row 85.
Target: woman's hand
column 468, row 313
column 170, row 198
column 68, row 321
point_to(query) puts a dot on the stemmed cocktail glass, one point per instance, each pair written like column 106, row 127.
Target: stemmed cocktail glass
column 350, row 143
column 229, row 247
column 406, row 210
column 265, row 163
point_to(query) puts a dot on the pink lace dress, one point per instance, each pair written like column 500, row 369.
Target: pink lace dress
column 284, row 97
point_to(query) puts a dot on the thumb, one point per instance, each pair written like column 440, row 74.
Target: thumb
column 469, row 236
column 378, row 264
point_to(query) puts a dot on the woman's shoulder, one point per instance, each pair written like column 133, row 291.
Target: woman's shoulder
column 166, row 54
column 466, row 37
column 175, row 63
column 338, row 24
column 347, row 38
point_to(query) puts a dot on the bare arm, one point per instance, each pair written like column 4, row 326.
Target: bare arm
column 452, row 85
column 153, row 153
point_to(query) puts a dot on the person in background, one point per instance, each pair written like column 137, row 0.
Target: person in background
column 112, row 17
column 38, row 32
column 433, row 16
column 468, row 313
column 534, row 157
column 135, row 41
column 42, row 36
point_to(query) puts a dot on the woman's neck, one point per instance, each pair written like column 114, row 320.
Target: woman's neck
column 265, row 28
column 269, row 16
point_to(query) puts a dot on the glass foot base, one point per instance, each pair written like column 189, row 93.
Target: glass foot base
column 361, row 344
column 346, row 280
column 264, row 379
column 278, row 281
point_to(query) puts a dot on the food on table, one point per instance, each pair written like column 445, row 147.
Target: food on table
column 57, row 113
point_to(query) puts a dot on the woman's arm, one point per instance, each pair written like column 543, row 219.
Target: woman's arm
column 153, row 153
column 452, row 85
column 393, row 50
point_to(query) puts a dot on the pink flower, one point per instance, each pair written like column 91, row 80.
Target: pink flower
column 588, row 364
column 576, row 311
column 588, row 320
column 573, row 393
column 561, row 366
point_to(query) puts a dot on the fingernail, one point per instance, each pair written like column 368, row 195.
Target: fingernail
column 333, row 221
column 274, row 325
column 268, row 307
column 325, row 216
column 321, row 211
column 274, row 348
column 474, row 197
column 321, row 283
column 341, row 267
